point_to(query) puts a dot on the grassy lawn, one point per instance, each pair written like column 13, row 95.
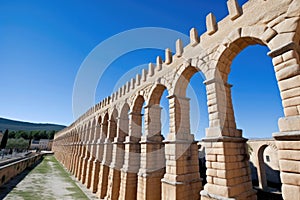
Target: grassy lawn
column 47, row 181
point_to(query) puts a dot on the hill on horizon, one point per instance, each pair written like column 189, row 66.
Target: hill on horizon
column 14, row 125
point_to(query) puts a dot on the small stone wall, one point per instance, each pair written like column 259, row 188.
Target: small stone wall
column 10, row 170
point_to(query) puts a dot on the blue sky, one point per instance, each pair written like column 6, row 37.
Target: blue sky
column 43, row 44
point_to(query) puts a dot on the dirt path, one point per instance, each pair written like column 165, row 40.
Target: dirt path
column 47, row 181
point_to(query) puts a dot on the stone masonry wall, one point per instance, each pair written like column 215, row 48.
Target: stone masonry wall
column 105, row 149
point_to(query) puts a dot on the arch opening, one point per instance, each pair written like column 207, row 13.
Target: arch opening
column 190, row 85
column 256, row 103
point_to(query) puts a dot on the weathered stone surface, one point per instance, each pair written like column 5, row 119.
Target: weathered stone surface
column 268, row 35
column 289, row 166
column 179, row 48
column 288, row 25
column 290, row 178
column 290, row 93
column 272, row 23
column 287, row 72
column 290, row 83
column 194, row 38
column 234, row 9
column 290, row 192
column 211, row 24
column 291, row 123
column 281, row 39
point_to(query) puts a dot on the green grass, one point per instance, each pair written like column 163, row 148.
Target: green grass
column 26, row 195
column 49, row 167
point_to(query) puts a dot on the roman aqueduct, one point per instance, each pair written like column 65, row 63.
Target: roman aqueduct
column 106, row 151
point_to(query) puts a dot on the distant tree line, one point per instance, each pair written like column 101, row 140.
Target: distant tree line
column 29, row 135
column 19, row 144
column 21, row 140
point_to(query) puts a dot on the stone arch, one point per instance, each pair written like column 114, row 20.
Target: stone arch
column 113, row 124
column 152, row 148
column 155, row 94
column 137, row 104
column 282, row 42
column 132, row 151
column 104, row 125
column 162, row 81
column 93, row 131
column 86, row 150
column 91, row 152
column 107, row 152
column 182, row 79
column 233, row 44
column 98, row 127
column 124, row 120
column 88, row 131
column 99, row 119
column 153, row 112
column 221, row 113
column 83, row 132
column 82, row 150
column 136, row 117
column 261, row 172
column 118, row 153
column 272, row 144
column 261, row 168
column 180, row 142
column 270, row 23
column 218, row 89
column 181, row 121
column 98, row 153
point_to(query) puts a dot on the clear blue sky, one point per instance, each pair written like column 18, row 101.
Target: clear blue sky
column 43, row 44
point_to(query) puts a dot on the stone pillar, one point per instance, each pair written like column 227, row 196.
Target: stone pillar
column 227, row 160
column 65, row 150
column 114, row 177
column 75, row 159
column 98, row 158
column 74, row 152
column 69, row 150
column 182, row 177
column 152, row 163
column 128, row 188
column 91, row 149
column 286, row 63
column 86, row 154
column 69, row 141
column 63, row 155
column 107, row 155
column 80, row 152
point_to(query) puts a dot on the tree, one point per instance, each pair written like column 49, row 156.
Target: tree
column 19, row 143
column 12, row 134
column 51, row 134
column 4, row 140
column 43, row 135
